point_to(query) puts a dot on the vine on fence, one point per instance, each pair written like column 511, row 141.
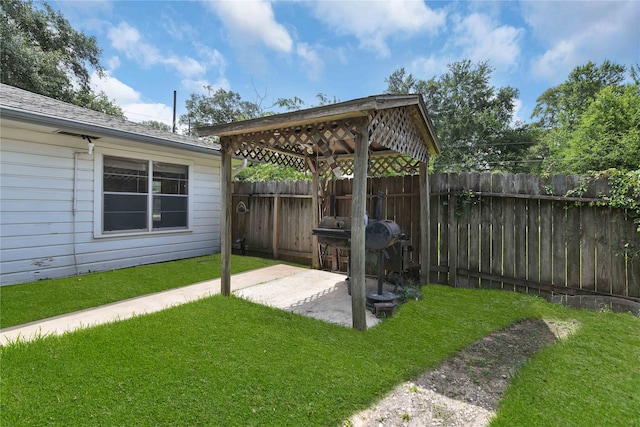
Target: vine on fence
column 624, row 194
column 624, row 191
column 464, row 201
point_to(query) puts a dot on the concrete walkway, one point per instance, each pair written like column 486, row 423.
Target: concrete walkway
column 314, row 293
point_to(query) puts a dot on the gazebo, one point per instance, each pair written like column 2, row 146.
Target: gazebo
column 376, row 134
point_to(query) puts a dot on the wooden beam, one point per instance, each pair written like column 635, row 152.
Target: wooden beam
column 358, row 210
column 225, row 219
column 558, row 289
column 275, row 242
column 315, row 219
column 569, row 199
column 425, row 229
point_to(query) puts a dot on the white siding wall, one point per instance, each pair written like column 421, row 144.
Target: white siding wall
column 36, row 209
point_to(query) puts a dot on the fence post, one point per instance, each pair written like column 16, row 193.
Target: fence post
column 225, row 219
column 315, row 217
column 453, row 240
column 358, row 209
column 425, row 222
column 275, row 243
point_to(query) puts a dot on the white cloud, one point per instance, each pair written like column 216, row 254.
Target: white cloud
column 373, row 22
column 557, row 61
column 432, row 66
column 128, row 40
column 198, row 86
column 178, row 30
column 476, row 37
column 131, row 100
column 212, row 57
column 251, row 21
column 517, row 112
column 113, row 63
column 574, row 33
column 312, row 63
column 482, row 39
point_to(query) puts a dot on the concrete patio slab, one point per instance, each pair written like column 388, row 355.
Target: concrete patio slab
column 140, row 305
column 319, row 294
column 314, row 293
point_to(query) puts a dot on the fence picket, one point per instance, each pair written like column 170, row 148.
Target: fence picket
column 588, row 242
column 485, row 229
column 497, row 229
column 559, row 226
column 450, row 257
column 524, row 234
column 520, row 239
column 440, row 224
column 533, row 232
column 462, row 219
column 545, row 241
column 474, row 230
column 509, row 224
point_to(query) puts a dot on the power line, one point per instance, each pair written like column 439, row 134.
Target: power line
column 512, row 162
column 462, row 145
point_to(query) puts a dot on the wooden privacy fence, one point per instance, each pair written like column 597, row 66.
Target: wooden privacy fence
column 511, row 231
column 273, row 218
column 520, row 232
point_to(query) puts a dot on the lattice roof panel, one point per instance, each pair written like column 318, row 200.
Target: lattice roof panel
column 400, row 135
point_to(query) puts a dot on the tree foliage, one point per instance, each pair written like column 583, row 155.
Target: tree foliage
column 217, row 107
column 157, row 125
column 271, row 172
column 98, row 102
column 607, row 134
column 473, row 120
column 42, row 53
column 562, row 105
column 590, row 122
column 221, row 106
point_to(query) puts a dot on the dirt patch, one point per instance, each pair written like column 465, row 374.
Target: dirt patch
column 464, row 390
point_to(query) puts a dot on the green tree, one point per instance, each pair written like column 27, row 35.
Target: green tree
column 607, row 134
column 590, row 121
column 271, row 172
column 562, row 105
column 157, row 125
column 221, row 106
column 217, row 107
column 42, row 53
column 473, row 120
column 98, row 102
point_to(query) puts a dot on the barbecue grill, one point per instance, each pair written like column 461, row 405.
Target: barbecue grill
column 382, row 236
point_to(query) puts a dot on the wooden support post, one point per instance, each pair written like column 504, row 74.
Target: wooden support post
column 225, row 220
column 275, row 242
column 315, row 218
column 425, row 227
column 358, row 210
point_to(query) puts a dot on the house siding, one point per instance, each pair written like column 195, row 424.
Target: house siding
column 39, row 231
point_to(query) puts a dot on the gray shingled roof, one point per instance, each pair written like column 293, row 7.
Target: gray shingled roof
column 30, row 107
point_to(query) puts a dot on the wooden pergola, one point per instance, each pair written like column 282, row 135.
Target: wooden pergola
column 376, row 134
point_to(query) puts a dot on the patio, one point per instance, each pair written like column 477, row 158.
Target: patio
column 313, row 293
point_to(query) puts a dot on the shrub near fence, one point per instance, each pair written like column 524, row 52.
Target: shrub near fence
column 515, row 232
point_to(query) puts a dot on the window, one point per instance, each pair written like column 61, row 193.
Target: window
column 140, row 195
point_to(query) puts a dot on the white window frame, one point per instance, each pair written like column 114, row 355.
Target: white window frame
column 98, row 214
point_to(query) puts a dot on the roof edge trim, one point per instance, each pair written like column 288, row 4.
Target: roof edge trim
column 37, row 118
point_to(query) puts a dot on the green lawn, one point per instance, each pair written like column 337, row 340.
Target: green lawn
column 38, row 300
column 226, row 362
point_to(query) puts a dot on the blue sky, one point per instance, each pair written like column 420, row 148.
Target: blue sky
column 266, row 50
